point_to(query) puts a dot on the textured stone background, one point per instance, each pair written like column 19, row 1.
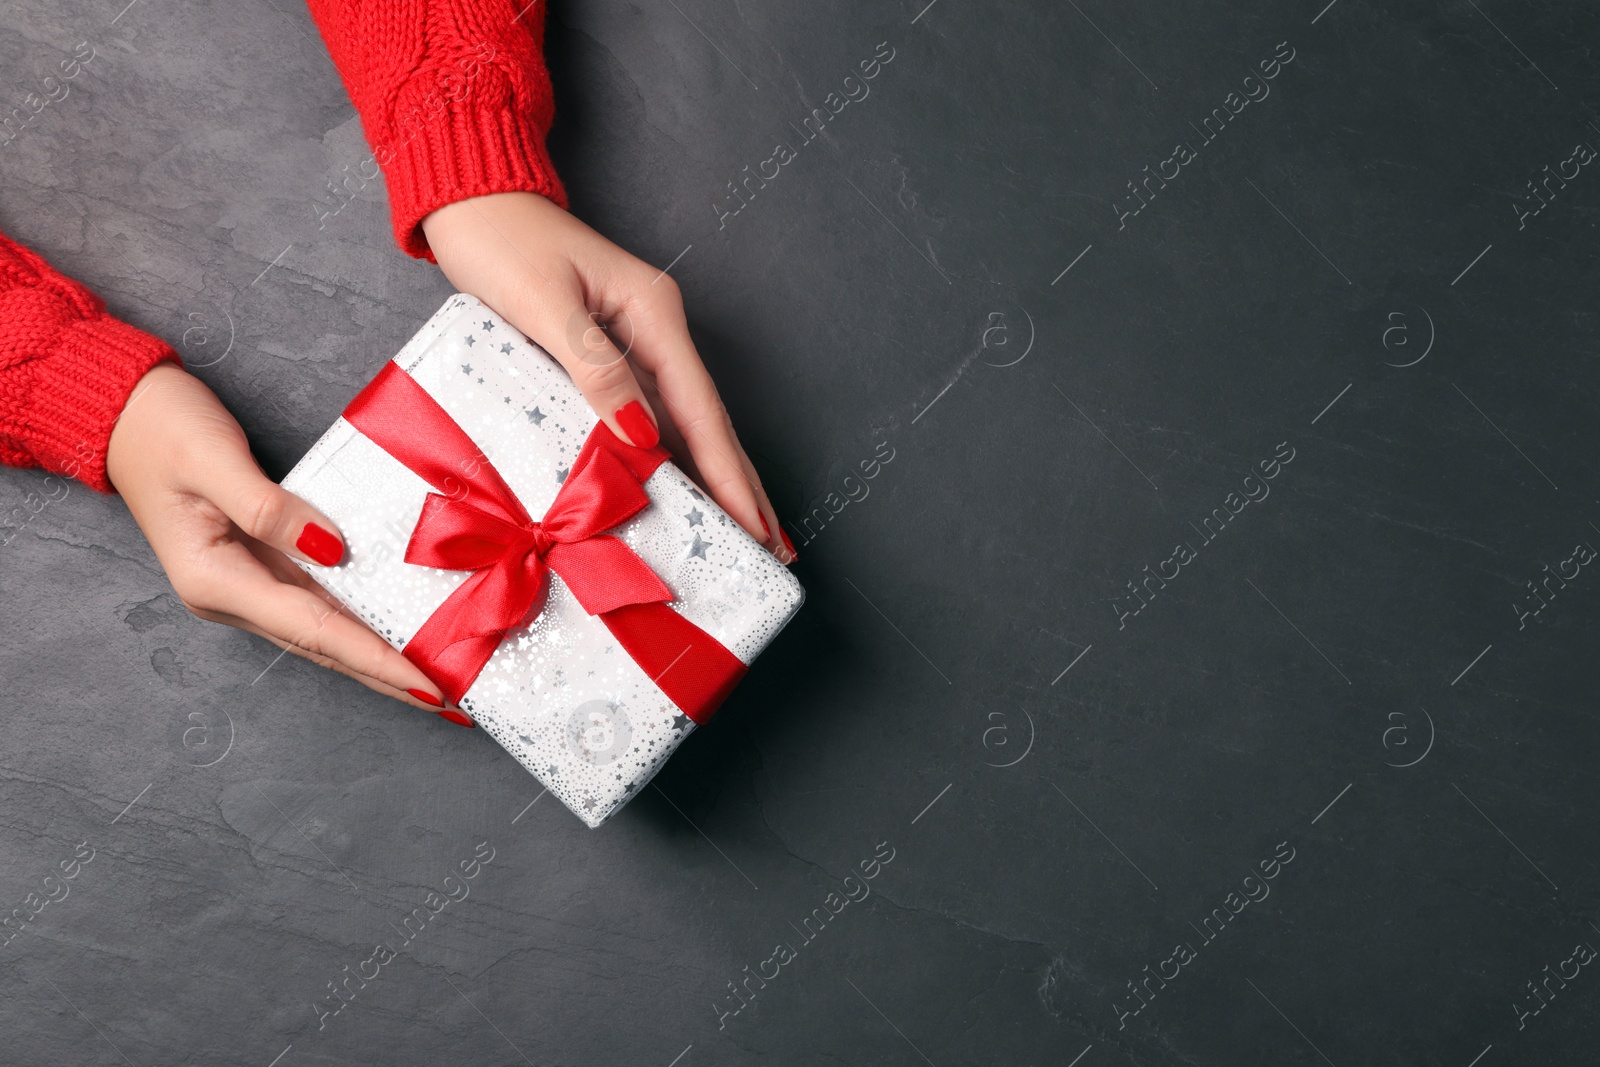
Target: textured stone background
column 1342, row 670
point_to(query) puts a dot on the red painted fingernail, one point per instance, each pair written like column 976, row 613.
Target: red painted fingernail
column 426, row 697
column 637, row 424
column 457, row 718
column 321, row 545
column 788, row 544
column 766, row 531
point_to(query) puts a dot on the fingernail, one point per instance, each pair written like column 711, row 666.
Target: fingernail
column 766, row 531
column 321, row 545
column 793, row 555
column 637, row 424
column 426, row 697
column 457, row 718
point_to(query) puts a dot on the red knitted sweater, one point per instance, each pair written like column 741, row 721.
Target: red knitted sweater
column 454, row 98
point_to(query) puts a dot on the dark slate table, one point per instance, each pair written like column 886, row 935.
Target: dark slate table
column 1205, row 674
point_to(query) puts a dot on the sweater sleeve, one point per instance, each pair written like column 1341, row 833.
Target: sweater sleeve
column 66, row 369
column 453, row 96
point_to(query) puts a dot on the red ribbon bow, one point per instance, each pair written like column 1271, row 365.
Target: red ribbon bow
column 474, row 522
column 511, row 553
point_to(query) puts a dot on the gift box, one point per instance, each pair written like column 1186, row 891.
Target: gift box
column 581, row 598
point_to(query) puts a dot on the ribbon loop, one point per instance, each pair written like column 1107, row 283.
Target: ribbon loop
column 598, row 494
column 455, row 535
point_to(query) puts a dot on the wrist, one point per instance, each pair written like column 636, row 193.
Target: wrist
column 129, row 437
column 493, row 245
column 474, row 213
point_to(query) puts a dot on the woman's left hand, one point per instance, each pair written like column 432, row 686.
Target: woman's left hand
column 224, row 533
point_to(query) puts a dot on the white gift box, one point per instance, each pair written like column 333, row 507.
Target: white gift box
column 559, row 693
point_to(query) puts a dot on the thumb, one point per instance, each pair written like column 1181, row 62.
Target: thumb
column 600, row 370
column 265, row 510
column 578, row 337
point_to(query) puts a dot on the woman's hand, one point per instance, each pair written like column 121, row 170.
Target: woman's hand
column 572, row 291
column 224, row 531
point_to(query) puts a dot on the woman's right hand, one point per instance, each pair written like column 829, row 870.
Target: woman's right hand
column 566, row 287
column 224, row 532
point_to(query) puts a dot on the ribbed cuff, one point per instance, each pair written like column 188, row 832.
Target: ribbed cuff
column 79, row 391
column 470, row 147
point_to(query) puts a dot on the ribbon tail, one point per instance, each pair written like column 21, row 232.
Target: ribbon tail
column 689, row 665
column 603, row 573
column 462, row 634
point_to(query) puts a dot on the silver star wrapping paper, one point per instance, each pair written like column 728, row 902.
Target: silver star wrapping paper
column 559, row 694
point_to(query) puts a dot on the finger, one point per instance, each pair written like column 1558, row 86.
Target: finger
column 662, row 345
column 559, row 320
column 460, row 718
column 671, row 438
column 281, row 568
column 238, row 587
column 230, row 479
column 779, row 545
column 322, row 661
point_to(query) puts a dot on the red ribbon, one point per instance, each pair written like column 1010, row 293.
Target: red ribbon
column 474, row 522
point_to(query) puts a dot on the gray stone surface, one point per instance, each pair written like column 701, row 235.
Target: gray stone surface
column 1069, row 791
